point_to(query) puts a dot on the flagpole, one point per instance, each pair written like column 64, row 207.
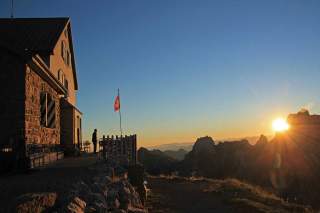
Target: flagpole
column 11, row 9
column 120, row 113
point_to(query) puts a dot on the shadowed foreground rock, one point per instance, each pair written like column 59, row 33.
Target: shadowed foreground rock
column 100, row 194
column 34, row 202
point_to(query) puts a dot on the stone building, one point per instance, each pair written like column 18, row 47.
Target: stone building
column 38, row 112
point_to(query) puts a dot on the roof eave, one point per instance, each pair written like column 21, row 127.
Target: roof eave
column 73, row 58
column 43, row 71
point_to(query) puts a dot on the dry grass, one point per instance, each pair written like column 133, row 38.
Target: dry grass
column 247, row 196
column 241, row 196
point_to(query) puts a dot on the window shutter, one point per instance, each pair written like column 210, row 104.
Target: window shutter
column 51, row 110
column 47, row 110
column 43, row 110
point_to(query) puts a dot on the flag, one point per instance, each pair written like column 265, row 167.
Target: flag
column 117, row 104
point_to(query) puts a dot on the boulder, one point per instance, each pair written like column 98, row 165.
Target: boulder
column 137, row 210
column 76, row 205
column 34, row 202
column 118, row 211
column 95, row 197
column 102, row 179
column 112, row 194
column 114, row 204
column 99, row 188
column 82, row 188
column 100, row 207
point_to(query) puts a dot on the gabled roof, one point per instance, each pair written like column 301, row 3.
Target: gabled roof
column 34, row 36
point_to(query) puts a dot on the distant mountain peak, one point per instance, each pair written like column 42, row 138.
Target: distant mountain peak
column 203, row 143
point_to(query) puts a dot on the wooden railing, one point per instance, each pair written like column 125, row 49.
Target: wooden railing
column 118, row 149
column 42, row 154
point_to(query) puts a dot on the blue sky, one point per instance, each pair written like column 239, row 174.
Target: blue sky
column 190, row 68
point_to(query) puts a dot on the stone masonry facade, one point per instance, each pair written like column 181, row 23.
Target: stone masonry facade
column 34, row 132
column 37, row 74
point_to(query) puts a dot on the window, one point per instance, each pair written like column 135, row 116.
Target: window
column 59, row 75
column 68, row 58
column 62, row 49
column 65, row 54
column 62, row 78
column 47, row 110
column 66, row 84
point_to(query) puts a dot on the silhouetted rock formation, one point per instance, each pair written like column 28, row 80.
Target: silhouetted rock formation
column 296, row 160
column 217, row 161
column 178, row 154
column 262, row 141
column 290, row 162
column 199, row 159
column 156, row 162
column 172, row 146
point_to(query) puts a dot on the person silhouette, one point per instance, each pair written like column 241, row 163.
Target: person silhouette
column 94, row 141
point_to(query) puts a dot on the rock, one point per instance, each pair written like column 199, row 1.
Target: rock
column 97, row 201
column 75, row 206
column 90, row 209
column 132, row 190
column 135, row 200
column 100, row 207
column 124, row 193
column 112, row 194
column 82, row 188
column 34, row 203
column 118, row 211
column 136, row 210
column 105, row 180
column 100, row 188
column 262, row 141
column 95, row 197
column 83, row 191
column 114, row 204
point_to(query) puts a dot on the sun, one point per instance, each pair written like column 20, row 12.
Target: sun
column 280, row 125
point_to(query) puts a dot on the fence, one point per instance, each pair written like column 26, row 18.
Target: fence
column 119, row 150
column 42, row 154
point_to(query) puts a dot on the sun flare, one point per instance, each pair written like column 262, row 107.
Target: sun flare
column 280, row 125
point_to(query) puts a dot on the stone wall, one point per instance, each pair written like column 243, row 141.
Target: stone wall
column 34, row 132
column 12, row 97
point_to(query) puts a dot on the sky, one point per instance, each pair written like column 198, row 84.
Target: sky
column 189, row 68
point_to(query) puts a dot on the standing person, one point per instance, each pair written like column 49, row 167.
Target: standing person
column 94, row 141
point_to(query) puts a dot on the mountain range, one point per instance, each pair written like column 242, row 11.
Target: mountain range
column 187, row 146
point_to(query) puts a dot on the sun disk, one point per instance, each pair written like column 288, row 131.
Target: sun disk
column 280, row 125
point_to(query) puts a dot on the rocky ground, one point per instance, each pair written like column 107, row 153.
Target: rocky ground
column 175, row 195
column 72, row 185
column 84, row 185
